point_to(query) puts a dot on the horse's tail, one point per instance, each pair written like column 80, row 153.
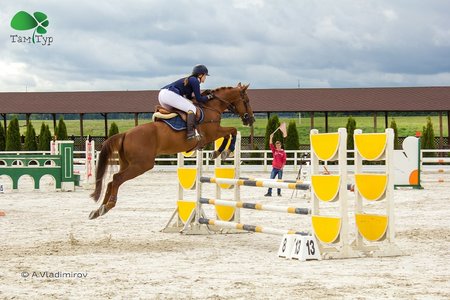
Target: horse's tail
column 114, row 143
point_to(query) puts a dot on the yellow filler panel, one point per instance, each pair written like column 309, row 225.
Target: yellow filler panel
column 187, row 177
column 188, row 154
column 325, row 145
column 370, row 145
column 326, row 229
column 225, row 213
column 224, row 173
column 326, row 187
column 185, row 209
column 371, row 186
column 372, row 227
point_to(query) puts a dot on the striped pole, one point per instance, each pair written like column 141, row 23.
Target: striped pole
column 251, row 228
column 257, row 206
column 256, row 183
column 350, row 186
column 275, row 180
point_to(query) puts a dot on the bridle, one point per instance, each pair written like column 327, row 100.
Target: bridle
column 246, row 118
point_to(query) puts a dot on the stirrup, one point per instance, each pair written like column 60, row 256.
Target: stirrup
column 195, row 134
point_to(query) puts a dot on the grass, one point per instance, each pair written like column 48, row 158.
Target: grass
column 406, row 125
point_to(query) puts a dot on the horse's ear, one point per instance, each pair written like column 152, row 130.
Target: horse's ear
column 239, row 84
column 246, row 86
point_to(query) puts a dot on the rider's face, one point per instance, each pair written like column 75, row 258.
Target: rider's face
column 202, row 78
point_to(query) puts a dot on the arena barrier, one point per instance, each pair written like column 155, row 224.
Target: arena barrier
column 59, row 166
column 407, row 164
column 374, row 231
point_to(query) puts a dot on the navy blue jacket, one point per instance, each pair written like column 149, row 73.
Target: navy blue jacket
column 192, row 87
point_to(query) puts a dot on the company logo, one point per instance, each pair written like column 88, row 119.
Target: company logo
column 24, row 21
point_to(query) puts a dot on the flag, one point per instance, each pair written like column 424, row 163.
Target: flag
column 283, row 129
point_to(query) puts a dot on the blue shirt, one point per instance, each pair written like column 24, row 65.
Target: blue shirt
column 192, row 87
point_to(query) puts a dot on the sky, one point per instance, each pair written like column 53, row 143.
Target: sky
column 108, row 45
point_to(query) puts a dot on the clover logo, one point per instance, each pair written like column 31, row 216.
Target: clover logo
column 24, row 21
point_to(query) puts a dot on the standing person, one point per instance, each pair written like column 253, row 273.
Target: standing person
column 179, row 93
column 278, row 162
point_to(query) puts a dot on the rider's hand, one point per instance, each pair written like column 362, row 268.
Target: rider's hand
column 210, row 96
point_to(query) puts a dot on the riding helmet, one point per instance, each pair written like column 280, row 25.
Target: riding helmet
column 200, row 69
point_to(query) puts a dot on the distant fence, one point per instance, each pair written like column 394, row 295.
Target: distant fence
column 258, row 142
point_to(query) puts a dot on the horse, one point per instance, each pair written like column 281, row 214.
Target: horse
column 138, row 147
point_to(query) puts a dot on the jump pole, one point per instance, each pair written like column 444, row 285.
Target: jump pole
column 257, row 206
column 249, row 228
column 256, row 183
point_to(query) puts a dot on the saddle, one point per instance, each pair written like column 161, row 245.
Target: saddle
column 174, row 118
column 166, row 114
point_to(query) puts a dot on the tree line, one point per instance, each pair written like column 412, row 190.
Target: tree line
column 10, row 139
column 291, row 142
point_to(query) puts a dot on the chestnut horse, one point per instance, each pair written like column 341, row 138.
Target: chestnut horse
column 138, row 147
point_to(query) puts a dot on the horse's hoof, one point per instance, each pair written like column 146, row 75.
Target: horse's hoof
column 93, row 215
column 102, row 210
column 215, row 154
column 226, row 154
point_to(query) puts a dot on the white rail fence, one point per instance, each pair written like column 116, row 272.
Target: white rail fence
column 261, row 160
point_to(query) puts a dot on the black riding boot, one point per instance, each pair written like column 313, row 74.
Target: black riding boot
column 190, row 124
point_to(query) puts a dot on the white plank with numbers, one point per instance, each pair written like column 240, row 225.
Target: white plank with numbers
column 299, row 247
column 285, row 248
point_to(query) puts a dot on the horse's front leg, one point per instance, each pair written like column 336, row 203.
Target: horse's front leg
column 230, row 151
column 216, row 153
column 225, row 132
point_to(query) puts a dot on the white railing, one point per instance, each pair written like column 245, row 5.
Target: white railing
column 439, row 165
column 440, row 159
column 441, row 156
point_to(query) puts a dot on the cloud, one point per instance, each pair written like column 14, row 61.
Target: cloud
column 137, row 44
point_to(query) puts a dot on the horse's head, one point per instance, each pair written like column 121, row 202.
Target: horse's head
column 237, row 102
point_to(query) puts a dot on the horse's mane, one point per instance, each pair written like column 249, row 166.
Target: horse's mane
column 219, row 89
column 222, row 88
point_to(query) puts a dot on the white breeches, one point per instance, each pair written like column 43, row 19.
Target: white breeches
column 169, row 99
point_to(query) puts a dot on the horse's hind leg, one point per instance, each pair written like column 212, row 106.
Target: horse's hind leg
column 123, row 165
column 118, row 179
column 96, row 213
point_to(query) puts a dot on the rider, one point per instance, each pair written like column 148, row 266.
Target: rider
column 177, row 94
